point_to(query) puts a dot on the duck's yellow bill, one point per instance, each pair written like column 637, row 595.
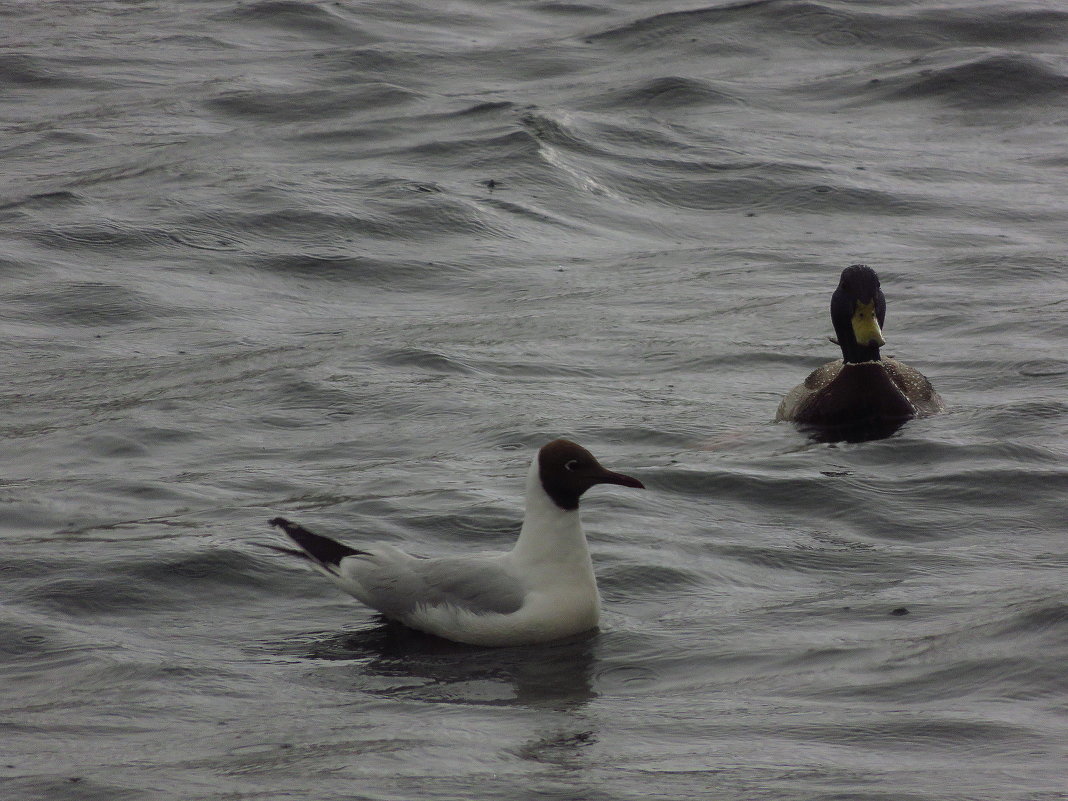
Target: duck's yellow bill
column 866, row 325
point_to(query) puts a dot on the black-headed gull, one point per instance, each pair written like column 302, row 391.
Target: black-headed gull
column 541, row 590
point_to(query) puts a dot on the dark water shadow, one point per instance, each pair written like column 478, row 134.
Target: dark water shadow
column 858, row 432
column 393, row 660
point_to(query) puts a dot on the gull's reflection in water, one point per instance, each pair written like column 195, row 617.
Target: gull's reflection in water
column 393, row 660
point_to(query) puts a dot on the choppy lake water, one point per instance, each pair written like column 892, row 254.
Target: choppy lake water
column 353, row 262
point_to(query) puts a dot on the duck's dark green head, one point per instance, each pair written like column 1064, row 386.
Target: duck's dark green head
column 858, row 309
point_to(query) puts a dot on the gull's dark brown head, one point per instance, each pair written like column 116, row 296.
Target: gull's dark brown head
column 567, row 470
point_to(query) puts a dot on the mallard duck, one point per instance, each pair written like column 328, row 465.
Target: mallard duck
column 861, row 391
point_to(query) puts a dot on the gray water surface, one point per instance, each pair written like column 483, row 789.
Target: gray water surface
column 354, row 262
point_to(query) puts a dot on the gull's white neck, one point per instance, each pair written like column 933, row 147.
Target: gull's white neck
column 549, row 534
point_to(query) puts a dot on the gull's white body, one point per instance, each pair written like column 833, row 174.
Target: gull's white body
column 541, row 590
